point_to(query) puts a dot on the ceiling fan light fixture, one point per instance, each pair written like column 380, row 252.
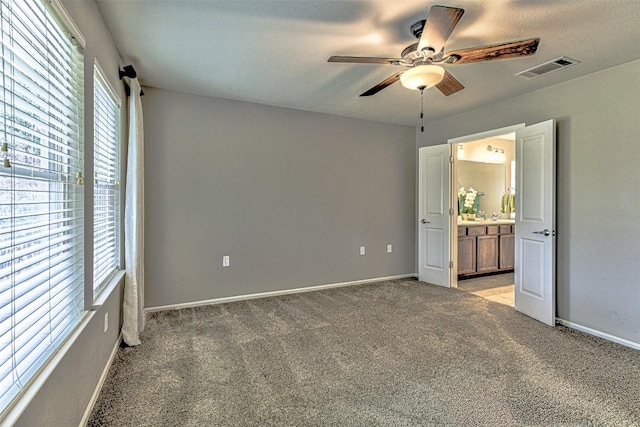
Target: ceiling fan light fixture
column 422, row 76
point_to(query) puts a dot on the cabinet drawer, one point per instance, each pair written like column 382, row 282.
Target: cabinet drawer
column 505, row 229
column 493, row 229
column 462, row 231
column 476, row 231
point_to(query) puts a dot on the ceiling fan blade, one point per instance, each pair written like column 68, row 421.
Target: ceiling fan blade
column 496, row 51
column 439, row 24
column 386, row 82
column 364, row 60
column 449, row 84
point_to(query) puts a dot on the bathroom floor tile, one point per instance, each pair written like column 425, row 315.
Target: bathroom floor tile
column 498, row 288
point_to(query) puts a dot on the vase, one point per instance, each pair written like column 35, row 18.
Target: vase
column 468, row 217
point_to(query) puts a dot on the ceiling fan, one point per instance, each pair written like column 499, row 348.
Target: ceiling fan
column 423, row 59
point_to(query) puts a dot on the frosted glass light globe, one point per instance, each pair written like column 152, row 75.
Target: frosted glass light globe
column 422, row 76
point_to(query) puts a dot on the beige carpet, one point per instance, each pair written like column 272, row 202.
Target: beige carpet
column 400, row 353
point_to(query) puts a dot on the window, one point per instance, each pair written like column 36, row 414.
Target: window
column 106, row 187
column 41, row 196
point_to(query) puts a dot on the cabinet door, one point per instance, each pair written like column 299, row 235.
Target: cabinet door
column 487, row 250
column 507, row 246
column 466, row 255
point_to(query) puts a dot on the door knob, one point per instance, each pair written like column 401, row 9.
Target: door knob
column 545, row 232
column 424, row 221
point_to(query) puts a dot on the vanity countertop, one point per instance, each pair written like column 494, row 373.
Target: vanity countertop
column 487, row 222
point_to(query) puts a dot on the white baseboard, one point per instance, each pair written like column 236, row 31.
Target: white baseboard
column 272, row 293
column 599, row 334
column 96, row 392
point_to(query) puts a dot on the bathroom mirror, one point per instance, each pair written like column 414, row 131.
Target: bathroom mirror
column 487, row 178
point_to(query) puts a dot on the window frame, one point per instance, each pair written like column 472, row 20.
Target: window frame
column 98, row 288
column 70, row 208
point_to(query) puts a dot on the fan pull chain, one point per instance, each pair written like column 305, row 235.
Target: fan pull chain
column 422, row 109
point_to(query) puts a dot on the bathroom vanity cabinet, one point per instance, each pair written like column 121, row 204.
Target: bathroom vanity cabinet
column 485, row 248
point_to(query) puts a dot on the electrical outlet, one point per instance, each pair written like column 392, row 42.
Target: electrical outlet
column 389, row 249
column 225, row 261
column 106, row 321
column 361, row 250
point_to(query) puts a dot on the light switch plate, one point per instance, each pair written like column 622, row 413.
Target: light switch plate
column 361, row 250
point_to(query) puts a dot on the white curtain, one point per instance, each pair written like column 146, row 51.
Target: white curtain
column 133, row 315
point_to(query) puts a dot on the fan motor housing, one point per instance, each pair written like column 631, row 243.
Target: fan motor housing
column 407, row 50
column 417, row 27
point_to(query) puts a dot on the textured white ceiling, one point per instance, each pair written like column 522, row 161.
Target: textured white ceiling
column 275, row 52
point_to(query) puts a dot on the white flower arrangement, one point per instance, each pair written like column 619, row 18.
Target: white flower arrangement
column 467, row 200
column 470, row 198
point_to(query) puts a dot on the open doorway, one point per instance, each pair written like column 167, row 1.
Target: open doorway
column 533, row 230
column 484, row 203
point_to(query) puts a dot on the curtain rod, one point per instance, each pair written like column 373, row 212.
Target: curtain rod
column 128, row 71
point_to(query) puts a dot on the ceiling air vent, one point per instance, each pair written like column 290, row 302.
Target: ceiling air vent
column 548, row 67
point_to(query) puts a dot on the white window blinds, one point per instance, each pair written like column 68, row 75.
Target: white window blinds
column 41, row 199
column 106, row 188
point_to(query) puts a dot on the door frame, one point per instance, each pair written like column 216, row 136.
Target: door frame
column 453, row 256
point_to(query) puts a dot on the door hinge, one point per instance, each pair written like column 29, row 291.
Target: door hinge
column 451, row 159
column 450, row 264
column 450, row 211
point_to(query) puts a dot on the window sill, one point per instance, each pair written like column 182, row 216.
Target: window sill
column 106, row 291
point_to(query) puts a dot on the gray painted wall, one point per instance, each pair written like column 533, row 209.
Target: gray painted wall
column 63, row 397
column 289, row 195
column 598, row 262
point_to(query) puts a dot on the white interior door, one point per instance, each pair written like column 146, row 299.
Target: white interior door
column 535, row 279
column 433, row 215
